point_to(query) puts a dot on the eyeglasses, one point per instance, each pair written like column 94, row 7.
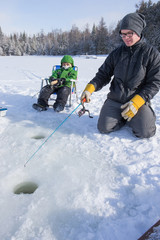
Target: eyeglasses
column 128, row 34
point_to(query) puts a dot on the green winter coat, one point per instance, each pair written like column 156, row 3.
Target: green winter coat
column 68, row 74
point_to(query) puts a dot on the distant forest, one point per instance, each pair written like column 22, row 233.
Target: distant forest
column 98, row 40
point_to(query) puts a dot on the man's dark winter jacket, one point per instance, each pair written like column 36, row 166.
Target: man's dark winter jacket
column 135, row 70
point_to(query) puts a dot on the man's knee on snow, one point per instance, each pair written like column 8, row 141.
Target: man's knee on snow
column 109, row 125
column 145, row 133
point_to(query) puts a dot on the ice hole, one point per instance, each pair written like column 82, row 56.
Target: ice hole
column 38, row 137
column 25, row 188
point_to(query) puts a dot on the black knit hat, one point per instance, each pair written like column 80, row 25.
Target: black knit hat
column 133, row 21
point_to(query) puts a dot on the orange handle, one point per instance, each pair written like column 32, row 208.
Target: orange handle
column 84, row 100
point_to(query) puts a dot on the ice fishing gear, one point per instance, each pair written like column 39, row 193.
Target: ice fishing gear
column 3, row 111
column 52, row 133
column 83, row 110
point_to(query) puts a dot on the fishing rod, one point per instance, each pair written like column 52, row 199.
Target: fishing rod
column 80, row 113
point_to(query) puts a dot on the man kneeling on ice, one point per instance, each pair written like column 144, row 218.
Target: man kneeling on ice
column 60, row 84
column 135, row 68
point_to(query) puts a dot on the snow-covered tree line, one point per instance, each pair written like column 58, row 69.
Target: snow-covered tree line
column 98, row 40
column 57, row 42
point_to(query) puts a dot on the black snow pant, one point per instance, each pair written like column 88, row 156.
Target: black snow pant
column 142, row 124
column 62, row 95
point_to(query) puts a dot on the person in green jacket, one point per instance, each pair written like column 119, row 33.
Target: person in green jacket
column 60, row 83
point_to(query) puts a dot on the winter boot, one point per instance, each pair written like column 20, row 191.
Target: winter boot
column 39, row 107
column 58, row 107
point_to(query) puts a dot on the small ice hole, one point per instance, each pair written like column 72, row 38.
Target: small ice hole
column 38, row 137
column 26, row 188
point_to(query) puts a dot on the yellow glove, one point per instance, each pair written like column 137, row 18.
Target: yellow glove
column 87, row 92
column 131, row 107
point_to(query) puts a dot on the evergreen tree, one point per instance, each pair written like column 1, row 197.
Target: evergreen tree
column 93, row 45
column 102, row 38
column 1, row 42
column 151, row 12
column 86, row 41
column 74, row 40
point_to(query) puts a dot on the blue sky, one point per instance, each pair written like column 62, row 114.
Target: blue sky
column 32, row 16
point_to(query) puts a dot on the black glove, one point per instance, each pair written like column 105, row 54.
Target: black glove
column 61, row 81
column 56, row 82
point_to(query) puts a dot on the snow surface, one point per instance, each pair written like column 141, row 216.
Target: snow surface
column 91, row 186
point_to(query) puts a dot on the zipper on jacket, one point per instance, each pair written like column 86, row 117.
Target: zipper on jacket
column 130, row 52
column 130, row 55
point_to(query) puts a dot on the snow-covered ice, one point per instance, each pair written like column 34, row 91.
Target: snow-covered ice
column 91, row 186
